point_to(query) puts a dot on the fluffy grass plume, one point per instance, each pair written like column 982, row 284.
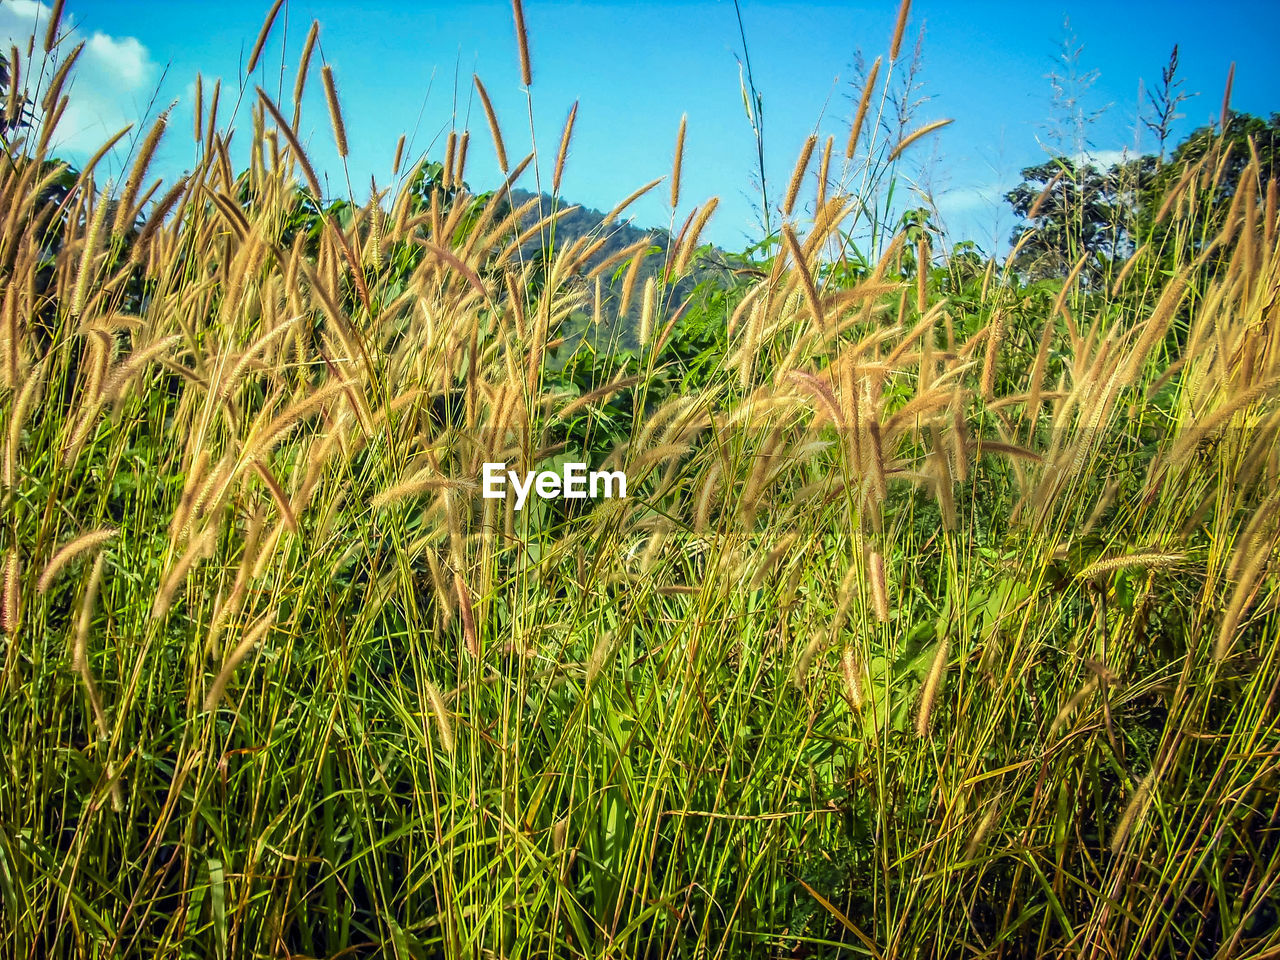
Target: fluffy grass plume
column 927, row 557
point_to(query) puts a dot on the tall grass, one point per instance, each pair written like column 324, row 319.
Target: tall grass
column 930, row 626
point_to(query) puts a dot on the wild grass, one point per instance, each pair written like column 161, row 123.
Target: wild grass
column 932, row 625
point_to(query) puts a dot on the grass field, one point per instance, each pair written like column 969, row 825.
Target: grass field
column 940, row 618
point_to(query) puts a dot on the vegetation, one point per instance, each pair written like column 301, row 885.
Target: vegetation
column 940, row 619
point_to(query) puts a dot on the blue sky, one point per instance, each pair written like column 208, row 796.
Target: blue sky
column 635, row 68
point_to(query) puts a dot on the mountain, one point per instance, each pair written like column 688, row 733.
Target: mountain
column 582, row 221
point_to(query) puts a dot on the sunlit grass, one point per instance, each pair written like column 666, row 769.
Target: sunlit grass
column 939, row 619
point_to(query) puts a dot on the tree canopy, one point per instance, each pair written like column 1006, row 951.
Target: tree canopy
column 1070, row 209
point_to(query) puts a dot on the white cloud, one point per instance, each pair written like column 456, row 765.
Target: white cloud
column 126, row 58
column 976, row 198
column 110, row 85
column 23, row 11
column 1103, row 158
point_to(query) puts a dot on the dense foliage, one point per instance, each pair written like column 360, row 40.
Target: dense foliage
column 940, row 619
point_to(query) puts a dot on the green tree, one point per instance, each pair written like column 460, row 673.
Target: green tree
column 1069, row 210
column 1224, row 155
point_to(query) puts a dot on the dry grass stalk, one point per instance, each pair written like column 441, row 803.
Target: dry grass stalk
column 398, row 157
column 1271, row 219
column 277, row 494
column 197, row 474
column 1007, row 449
column 87, row 257
column 1072, row 703
column 201, row 546
column 54, row 91
column 335, row 110
column 1060, row 302
column 625, row 255
column 423, row 482
column 447, row 176
column 125, row 212
column 1249, row 582
column 599, row 393
column 824, row 173
column 677, row 165
column 261, row 42
column 1127, row 269
column 156, row 218
column 852, row 671
column 11, row 614
column 628, row 200
column 80, row 662
column 263, row 441
column 806, row 278
column 922, row 274
column 79, row 649
column 1157, row 324
column 689, row 243
column 1200, row 429
column 879, row 587
column 899, row 28
column 980, row 832
column 522, row 41
column 494, row 130
column 563, row 152
column 16, row 101
column 1225, row 116
column 1043, row 198
column 471, row 640
column 1032, row 412
column 81, row 544
column 32, row 388
column 1145, row 561
column 599, row 658
column 992, row 354
column 800, row 675
column 958, row 438
column 231, row 607
column 299, row 155
column 873, row 448
column 797, row 175
column 915, row 135
column 1133, row 812
column 51, row 28
column 304, row 63
column 932, row 684
column 242, row 650
column 647, row 309
column 126, row 370
column 860, row 116
column 440, row 712
column 942, row 478
column 820, row 388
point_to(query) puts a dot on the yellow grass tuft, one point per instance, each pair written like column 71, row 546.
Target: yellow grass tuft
column 915, row 135
column 932, row 685
column 335, row 110
column 11, row 612
column 522, row 42
column 797, row 175
column 444, row 725
column 261, row 42
column 82, row 544
column 677, row 165
column 1145, row 561
column 899, row 28
column 249, row 640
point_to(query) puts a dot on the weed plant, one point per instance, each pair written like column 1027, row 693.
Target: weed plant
column 940, row 619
